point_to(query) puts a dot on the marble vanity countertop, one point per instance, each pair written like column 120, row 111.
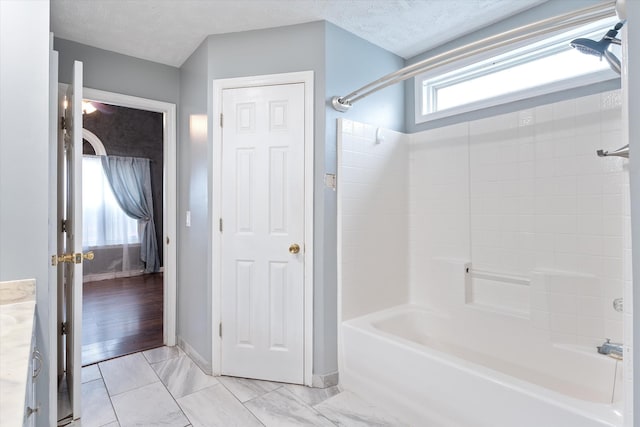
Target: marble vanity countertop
column 17, row 309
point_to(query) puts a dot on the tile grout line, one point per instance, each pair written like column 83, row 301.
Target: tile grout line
column 313, row 409
column 281, row 386
column 113, row 408
column 167, row 389
column 243, row 403
column 137, row 388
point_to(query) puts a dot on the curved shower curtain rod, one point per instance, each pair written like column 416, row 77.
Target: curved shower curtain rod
column 535, row 29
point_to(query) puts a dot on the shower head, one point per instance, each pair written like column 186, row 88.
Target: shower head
column 590, row 47
column 601, row 48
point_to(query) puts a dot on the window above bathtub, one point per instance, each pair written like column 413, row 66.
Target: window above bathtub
column 512, row 74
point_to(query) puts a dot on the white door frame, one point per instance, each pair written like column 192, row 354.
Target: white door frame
column 305, row 77
column 169, row 197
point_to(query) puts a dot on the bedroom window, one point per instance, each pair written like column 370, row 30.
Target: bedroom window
column 104, row 223
column 538, row 68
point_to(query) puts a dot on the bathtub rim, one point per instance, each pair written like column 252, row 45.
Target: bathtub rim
column 611, row 413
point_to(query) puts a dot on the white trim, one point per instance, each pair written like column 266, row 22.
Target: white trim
column 195, row 356
column 325, row 381
column 339, row 225
column 169, row 206
column 484, row 64
column 50, row 327
column 306, row 77
column 95, row 142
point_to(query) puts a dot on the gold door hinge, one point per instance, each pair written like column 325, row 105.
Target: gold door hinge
column 63, row 226
column 220, row 225
column 63, row 328
column 63, row 123
column 221, row 119
column 220, row 329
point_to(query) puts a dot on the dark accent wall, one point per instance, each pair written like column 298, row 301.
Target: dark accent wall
column 132, row 133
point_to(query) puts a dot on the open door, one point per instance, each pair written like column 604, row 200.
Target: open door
column 70, row 258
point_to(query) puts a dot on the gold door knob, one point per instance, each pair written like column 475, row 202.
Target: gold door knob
column 89, row 256
column 294, row 248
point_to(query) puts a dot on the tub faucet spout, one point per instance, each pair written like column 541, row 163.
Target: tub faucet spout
column 611, row 349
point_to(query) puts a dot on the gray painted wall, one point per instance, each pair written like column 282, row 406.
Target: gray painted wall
column 319, row 47
column 194, row 256
column 279, row 50
column 283, row 50
column 114, row 72
column 545, row 10
column 24, row 170
column 351, row 62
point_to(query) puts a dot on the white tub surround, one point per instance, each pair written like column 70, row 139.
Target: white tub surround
column 513, row 238
column 412, row 362
column 17, row 310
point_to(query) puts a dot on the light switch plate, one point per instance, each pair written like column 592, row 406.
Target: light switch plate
column 187, row 219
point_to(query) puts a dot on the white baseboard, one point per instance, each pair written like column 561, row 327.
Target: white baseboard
column 324, row 381
column 195, row 356
column 113, row 275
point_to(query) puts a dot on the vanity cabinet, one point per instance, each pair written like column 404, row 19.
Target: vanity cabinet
column 35, row 367
column 20, row 360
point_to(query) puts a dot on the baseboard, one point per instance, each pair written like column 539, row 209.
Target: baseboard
column 113, row 275
column 324, row 381
column 195, row 356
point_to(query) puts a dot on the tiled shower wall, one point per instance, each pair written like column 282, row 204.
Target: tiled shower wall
column 372, row 212
column 525, row 193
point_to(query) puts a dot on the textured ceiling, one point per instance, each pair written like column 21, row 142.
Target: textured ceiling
column 167, row 31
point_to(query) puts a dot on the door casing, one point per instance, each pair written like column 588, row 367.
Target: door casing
column 169, row 196
column 307, row 78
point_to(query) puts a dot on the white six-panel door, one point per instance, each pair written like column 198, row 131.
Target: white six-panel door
column 262, row 289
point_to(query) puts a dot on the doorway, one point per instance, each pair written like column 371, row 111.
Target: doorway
column 262, row 287
column 163, row 283
column 167, row 241
column 122, row 285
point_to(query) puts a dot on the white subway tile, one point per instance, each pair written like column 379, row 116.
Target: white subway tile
column 589, row 245
column 540, row 319
column 562, row 303
column 613, row 247
column 613, row 329
column 590, row 185
column 590, row 306
column 563, row 323
column 590, row 205
column 591, row 327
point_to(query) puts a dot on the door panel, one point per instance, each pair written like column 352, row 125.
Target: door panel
column 72, row 170
column 263, row 214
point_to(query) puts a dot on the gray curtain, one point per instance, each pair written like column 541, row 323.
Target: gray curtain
column 130, row 180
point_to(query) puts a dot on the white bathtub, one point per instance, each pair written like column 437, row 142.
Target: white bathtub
column 429, row 372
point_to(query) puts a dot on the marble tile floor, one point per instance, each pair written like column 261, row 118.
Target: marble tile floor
column 164, row 387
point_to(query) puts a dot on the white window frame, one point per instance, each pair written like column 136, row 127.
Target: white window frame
column 499, row 59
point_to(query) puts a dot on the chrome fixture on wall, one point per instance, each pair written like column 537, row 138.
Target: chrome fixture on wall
column 601, row 48
column 618, row 305
column 620, row 152
column 612, row 349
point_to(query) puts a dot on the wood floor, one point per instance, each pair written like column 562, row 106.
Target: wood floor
column 121, row 316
